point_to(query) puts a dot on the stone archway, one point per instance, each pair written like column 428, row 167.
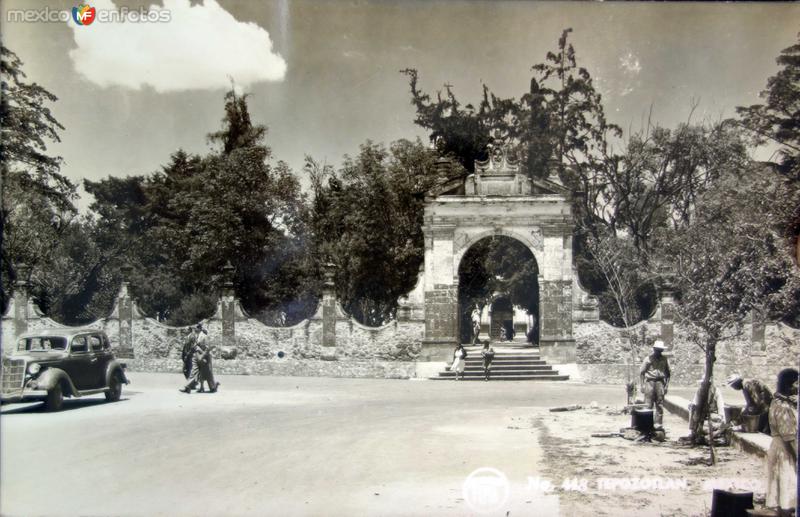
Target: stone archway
column 481, row 297
column 498, row 199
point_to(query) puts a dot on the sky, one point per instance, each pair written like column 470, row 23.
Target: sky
column 324, row 76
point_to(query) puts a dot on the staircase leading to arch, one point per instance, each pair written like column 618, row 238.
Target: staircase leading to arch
column 512, row 362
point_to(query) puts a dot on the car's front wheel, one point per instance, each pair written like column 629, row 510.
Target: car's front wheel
column 55, row 398
column 114, row 391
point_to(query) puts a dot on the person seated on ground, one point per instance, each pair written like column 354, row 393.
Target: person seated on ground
column 757, row 398
column 720, row 427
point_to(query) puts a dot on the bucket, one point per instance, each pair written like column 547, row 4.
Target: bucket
column 642, row 420
column 750, row 423
column 732, row 413
column 730, row 504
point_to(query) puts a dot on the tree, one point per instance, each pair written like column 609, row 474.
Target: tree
column 367, row 219
column 629, row 287
column 35, row 198
column 732, row 258
column 77, row 286
column 577, row 124
column 178, row 227
column 778, row 119
column 658, row 178
column 461, row 132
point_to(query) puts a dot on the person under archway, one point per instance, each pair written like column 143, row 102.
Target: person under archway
column 476, row 326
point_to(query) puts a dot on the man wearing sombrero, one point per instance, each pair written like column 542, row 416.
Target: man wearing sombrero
column 654, row 378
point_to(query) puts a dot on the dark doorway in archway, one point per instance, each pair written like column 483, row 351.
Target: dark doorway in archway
column 499, row 274
column 501, row 318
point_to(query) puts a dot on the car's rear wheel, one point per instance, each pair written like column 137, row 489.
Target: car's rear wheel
column 114, row 391
column 55, row 398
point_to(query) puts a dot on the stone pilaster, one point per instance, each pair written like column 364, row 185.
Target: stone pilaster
column 329, row 313
column 556, row 343
column 21, row 299
column 441, row 322
column 555, row 309
column 667, row 303
column 125, row 316
column 228, row 304
column 758, row 334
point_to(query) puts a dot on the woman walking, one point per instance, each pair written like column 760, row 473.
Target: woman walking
column 488, row 357
column 782, row 454
column 459, row 361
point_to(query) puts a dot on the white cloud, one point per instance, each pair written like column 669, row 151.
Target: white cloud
column 200, row 47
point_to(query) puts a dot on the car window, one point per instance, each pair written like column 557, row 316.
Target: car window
column 96, row 343
column 79, row 344
column 41, row 344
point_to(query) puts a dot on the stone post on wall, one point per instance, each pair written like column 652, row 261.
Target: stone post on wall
column 758, row 333
column 667, row 303
column 125, row 314
column 21, row 298
column 329, row 313
column 228, row 306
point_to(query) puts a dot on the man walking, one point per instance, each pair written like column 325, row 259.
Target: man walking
column 654, row 378
column 201, row 363
column 187, row 353
column 757, row 398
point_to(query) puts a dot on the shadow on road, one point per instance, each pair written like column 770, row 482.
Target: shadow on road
column 69, row 405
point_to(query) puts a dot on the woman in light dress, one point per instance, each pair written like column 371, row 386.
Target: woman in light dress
column 782, row 454
column 459, row 361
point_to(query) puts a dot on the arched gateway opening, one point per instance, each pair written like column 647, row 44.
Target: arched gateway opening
column 499, row 201
column 498, row 288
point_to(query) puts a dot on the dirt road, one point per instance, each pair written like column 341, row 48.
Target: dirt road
column 307, row 446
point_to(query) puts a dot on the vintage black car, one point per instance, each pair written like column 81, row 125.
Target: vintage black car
column 51, row 364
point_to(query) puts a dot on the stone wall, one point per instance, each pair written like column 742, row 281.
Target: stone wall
column 288, row 367
column 243, row 345
column 601, row 353
column 604, row 353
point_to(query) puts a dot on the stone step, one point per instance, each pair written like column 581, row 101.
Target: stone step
column 512, row 361
column 518, row 351
column 521, row 360
column 479, row 373
column 503, row 344
column 505, row 367
column 515, row 377
column 507, row 351
column 508, row 358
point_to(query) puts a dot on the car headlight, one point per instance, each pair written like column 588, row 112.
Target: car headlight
column 34, row 368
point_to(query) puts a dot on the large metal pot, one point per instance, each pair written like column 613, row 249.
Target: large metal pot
column 750, row 423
